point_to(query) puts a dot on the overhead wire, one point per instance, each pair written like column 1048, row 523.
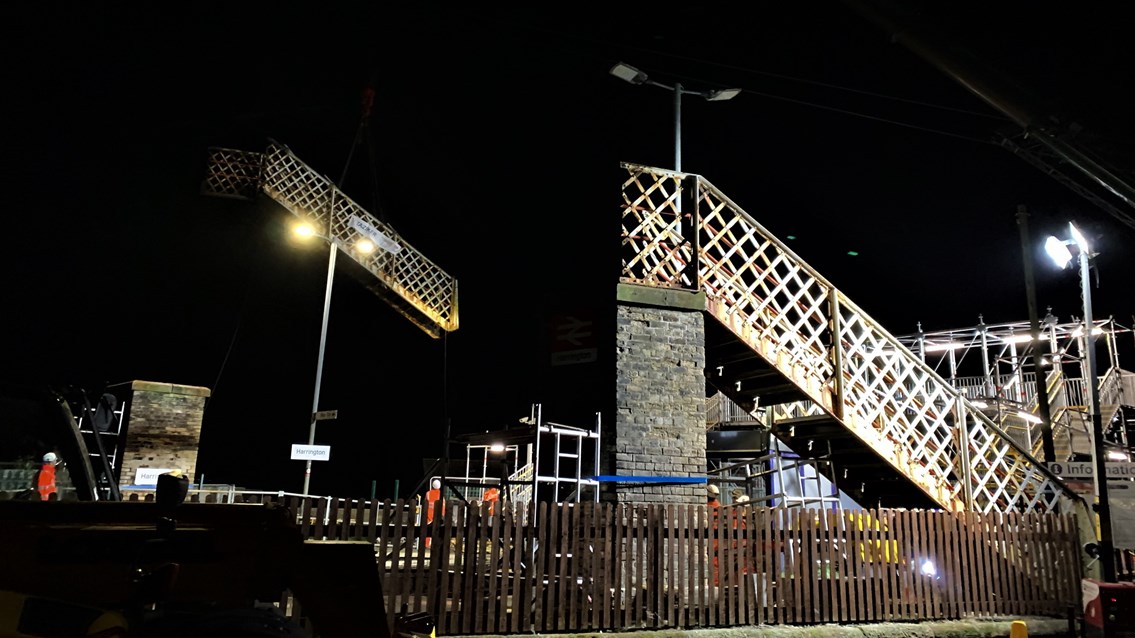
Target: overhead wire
column 874, row 118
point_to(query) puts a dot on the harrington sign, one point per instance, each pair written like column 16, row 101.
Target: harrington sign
column 1085, row 469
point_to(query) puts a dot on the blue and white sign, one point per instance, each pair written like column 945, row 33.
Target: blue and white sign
column 379, row 238
column 303, row 452
column 149, row 475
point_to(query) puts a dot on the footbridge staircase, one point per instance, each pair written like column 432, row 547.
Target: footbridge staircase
column 833, row 383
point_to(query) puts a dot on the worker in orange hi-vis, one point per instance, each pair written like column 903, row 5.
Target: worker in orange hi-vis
column 45, row 481
column 491, row 496
column 432, row 496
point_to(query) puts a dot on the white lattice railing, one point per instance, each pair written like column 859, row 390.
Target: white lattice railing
column 788, row 313
column 427, row 294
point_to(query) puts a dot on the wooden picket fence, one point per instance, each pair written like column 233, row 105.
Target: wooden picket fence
column 601, row 566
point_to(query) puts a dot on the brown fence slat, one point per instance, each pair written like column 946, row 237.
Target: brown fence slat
column 493, row 573
column 857, row 577
column 391, row 555
column 907, row 557
column 455, row 548
column 1042, row 559
column 1012, row 568
column 836, row 602
column 540, row 560
column 979, row 595
column 565, row 602
column 955, row 574
column 594, row 595
column 748, row 566
column 892, row 593
column 605, row 562
column 669, row 579
column 1047, row 558
column 422, row 565
column 724, row 573
column 997, row 563
column 933, row 541
column 969, row 567
column 792, row 539
column 698, row 530
column 638, row 587
column 521, row 566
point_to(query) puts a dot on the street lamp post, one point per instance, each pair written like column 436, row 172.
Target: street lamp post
column 630, row 74
column 334, row 250
column 363, row 246
column 1058, row 250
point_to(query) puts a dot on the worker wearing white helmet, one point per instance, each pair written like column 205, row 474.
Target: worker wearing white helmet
column 45, row 479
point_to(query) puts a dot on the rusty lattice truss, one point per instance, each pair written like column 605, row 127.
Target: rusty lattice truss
column 415, row 286
column 679, row 231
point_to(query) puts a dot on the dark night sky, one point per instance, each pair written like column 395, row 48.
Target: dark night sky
column 497, row 135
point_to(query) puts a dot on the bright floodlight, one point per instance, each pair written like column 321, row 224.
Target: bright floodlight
column 496, row 447
column 303, row 230
column 365, row 246
column 1081, row 241
column 721, row 95
column 628, row 73
column 1058, row 251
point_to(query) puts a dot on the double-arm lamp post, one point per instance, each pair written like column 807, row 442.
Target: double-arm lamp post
column 363, row 246
column 634, row 76
column 1058, row 250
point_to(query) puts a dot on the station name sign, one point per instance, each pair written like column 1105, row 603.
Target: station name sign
column 301, row 452
column 1086, row 469
column 379, row 238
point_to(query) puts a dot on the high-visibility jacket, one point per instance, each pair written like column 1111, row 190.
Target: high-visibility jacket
column 45, row 482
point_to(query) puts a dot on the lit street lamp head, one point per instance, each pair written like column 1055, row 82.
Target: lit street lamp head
column 303, row 230
column 1057, row 249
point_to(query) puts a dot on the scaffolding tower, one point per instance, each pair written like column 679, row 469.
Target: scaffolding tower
column 534, row 461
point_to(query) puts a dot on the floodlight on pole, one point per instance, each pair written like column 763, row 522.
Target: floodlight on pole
column 1099, row 474
column 628, row 73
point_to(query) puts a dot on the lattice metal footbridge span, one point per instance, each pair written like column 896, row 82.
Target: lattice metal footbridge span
column 412, row 284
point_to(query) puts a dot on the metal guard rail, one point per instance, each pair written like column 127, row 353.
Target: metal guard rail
column 787, row 312
column 427, row 294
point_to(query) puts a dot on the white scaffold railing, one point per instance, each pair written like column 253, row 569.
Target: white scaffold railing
column 679, row 231
column 423, row 292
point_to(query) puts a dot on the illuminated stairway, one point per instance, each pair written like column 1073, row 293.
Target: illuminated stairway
column 837, row 384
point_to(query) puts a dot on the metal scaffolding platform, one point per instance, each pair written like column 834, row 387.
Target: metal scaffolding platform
column 535, row 461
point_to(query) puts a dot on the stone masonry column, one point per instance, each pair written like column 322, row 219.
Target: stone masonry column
column 163, row 429
column 660, row 404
